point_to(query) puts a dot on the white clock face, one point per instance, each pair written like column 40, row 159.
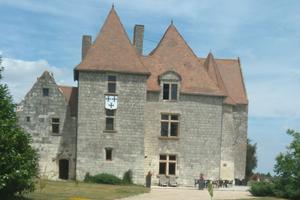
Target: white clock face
column 111, row 102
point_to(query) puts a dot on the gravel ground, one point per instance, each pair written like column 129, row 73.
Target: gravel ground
column 181, row 193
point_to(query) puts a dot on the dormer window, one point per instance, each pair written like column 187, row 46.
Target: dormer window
column 170, row 91
column 170, row 83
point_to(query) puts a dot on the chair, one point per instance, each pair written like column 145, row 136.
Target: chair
column 172, row 181
column 163, row 181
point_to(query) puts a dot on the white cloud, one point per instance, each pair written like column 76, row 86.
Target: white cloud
column 20, row 75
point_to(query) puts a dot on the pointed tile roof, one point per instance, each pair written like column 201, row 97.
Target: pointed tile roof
column 213, row 71
column 173, row 54
column 112, row 50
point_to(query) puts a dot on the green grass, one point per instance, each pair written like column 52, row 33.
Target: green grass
column 264, row 198
column 59, row 190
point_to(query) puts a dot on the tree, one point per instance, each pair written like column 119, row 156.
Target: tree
column 18, row 160
column 251, row 159
column 287, row 169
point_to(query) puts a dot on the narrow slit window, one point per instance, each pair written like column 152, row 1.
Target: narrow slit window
column 108, row 154
column 110, row 120
column 111, row 84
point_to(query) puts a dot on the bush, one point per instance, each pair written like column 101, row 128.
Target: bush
column 127, row 178
column 262, row 188
column 103, row 178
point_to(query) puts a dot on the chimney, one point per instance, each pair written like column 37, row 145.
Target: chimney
column 138, row 37
column 86, row 44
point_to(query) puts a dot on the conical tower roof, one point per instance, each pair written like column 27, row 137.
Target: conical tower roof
column 112, row 50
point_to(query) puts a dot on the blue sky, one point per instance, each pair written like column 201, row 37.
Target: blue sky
column 38, row 35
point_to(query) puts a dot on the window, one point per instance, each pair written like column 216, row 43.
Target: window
column 110, row 118
column 111, row 84
column 108, row 153
column 169, row 125
column 170, row 91
column 167, row 164
column 55, row 125
column 41, row 119
column 45, row 92
column 27, row 119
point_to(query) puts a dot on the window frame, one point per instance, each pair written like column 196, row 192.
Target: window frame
column 112, row 117
column 170, row 90
column 167, row 162
column 108, row 149
column 111, row 82
column 55, row 123
column 44, row 93
column 169, row 121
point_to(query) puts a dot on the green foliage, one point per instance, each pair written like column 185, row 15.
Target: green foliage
column 210, row 189
column 286, row 184
column 262, row 188
column 251, row 159
column 103, row 178
column 287, row 168
column 18, row 160
column 127, row 178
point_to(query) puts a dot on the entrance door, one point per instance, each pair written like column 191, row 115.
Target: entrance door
column 64, row 169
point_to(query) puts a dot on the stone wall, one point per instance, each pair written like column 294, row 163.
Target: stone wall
column 127, row 141
column 198, row 146
column 41, row 109
column 240, row 116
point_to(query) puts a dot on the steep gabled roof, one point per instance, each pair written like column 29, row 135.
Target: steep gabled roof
column 232, row 77
column 213, row 71
column 71, row 95
column 173, row 54
column 112, row 50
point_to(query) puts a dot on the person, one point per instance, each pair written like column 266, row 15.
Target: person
column 148, row 179
column 201, row 182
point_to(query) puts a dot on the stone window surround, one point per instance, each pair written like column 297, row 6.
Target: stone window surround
column 106, row 151
column 169, row 126
column 168, row 161
column 114, row 122
column 169, row 77
column 55, row 123
column 113, row 82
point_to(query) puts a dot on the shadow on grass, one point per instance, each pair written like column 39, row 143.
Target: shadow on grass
column 16, row 198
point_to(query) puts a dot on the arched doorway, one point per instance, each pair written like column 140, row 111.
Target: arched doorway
column 64, row 169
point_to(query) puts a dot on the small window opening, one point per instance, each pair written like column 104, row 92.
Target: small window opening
column 55, row 125
column 108, row 153
column 45, row 92
column 111, row 84
column 110, row 119
column 27, row 119
column 170, row 91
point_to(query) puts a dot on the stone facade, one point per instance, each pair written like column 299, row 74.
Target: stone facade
column 36, row 112
column 208, row 103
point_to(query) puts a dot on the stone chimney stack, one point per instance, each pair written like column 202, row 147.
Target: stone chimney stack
column 138, row 37
column 86, row 45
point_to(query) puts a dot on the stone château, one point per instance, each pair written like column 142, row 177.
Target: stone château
column 169, row 112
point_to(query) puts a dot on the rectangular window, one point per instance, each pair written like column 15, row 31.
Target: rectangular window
column 45, row 92
column 111, row 84
column 55, row 125
column 109, row 121
column 170, row 91
column 169, row 125
column 167, row 164
column 27, row 119
column 108, row 154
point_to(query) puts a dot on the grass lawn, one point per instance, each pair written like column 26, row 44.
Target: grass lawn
column 264, row 198
column 59, row 190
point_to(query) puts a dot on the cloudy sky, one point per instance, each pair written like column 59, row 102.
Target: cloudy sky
column 38, row 35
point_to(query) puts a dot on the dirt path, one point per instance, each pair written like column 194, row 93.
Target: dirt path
column 190, row 194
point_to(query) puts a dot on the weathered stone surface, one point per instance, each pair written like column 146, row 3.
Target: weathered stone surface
column 41, row 109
